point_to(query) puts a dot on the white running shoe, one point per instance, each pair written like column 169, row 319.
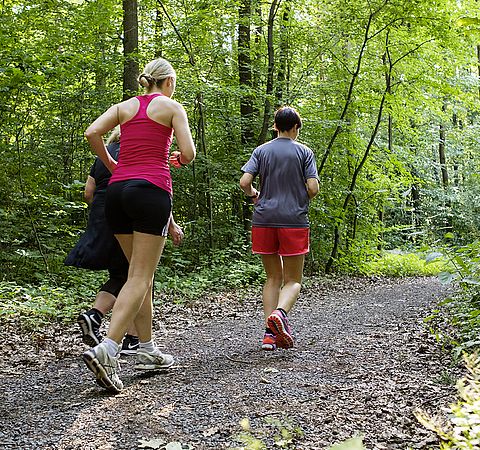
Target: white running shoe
column 104, row 367
column 153, row 361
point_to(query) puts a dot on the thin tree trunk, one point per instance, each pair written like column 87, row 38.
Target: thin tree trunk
column 348, row 99
column 353, row 182
column 130, row 48
column 201, row 143
column 416, row 201
column 478, row 66
column 282, row 66
column 246, row 100
column 257, row 54
column 441, row 154
column 267, row 112
column 443, row 169
column 158, row 31
column 456, row 177
column 358, row 169
column 245, row 71
column 24, row 192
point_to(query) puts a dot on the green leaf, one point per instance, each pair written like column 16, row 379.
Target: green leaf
column 350, row 444
column 433, row 256
column 465, row 21
column 446, row 277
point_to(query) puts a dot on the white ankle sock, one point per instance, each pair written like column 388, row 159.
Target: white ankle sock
column 148, row 346
column 112, row 347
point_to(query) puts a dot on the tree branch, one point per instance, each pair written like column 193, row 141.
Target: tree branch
column 191, row 59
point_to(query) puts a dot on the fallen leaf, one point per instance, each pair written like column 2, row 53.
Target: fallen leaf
column 210, row 431
column 245, row 424
column 166, row 410
column 151, row 443
column 350, row 444
column 174, row 446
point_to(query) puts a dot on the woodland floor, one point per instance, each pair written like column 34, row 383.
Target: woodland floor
column 362, row 363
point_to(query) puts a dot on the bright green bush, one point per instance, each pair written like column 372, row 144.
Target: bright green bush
column 397, row 264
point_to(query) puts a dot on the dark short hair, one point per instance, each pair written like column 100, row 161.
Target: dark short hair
column 286, row 118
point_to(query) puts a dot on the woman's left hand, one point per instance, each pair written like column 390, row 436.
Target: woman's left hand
column 174, row 159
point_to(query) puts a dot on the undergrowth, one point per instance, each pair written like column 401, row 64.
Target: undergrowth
column 457, row 318
column 60, row 298
column 400, row 264
column 457, row 321
column 461, row 430
column 281, row 433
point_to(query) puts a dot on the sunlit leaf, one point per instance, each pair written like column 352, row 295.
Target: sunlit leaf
column 151, row 443
column 352, row 444
column 465, row 21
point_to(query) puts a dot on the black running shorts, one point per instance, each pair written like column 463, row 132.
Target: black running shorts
column 137, row 205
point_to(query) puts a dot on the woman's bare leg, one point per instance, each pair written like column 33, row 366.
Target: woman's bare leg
column 143, row 252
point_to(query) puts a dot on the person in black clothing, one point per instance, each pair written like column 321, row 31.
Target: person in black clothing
column 98, row 249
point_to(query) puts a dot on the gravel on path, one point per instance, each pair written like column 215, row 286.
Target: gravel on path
column 363, row 361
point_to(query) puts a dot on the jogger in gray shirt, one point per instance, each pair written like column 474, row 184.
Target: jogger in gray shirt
column 280, row 228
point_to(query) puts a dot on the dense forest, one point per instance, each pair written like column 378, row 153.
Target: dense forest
column 389, row 92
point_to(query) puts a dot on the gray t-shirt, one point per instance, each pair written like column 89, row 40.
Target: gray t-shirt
column 284, row 165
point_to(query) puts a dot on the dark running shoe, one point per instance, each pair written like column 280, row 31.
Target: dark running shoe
column 278, row 323
column 90, row 322
column 104, row 367
column 129, row 345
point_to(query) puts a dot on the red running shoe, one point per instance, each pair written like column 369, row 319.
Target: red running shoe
column 269, row 342
column 278, row 323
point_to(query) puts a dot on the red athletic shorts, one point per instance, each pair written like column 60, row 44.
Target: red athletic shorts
column 282, row 241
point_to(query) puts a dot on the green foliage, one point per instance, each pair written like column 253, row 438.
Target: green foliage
column 461, row 430
column 226, row 270
column 401, row 264
column 281, row 432
column 461, row 311
column 37, row 306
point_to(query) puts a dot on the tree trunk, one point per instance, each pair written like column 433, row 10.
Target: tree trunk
column 267, row 112
column 348, row 99
column 202, row 147
column 358, row 169
column 245, row 72
column 478, row 66
column 282, row 74
column 416, row 205
column 442, row 157
column 158, row 31
column 130, row 48
column 444, row 171
column 257, row 54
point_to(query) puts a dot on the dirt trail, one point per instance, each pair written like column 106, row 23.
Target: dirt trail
column 362, row 363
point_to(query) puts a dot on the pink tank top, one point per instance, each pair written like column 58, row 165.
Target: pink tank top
column 144, row 149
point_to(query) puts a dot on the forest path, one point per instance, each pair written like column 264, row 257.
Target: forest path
column 362, row 363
